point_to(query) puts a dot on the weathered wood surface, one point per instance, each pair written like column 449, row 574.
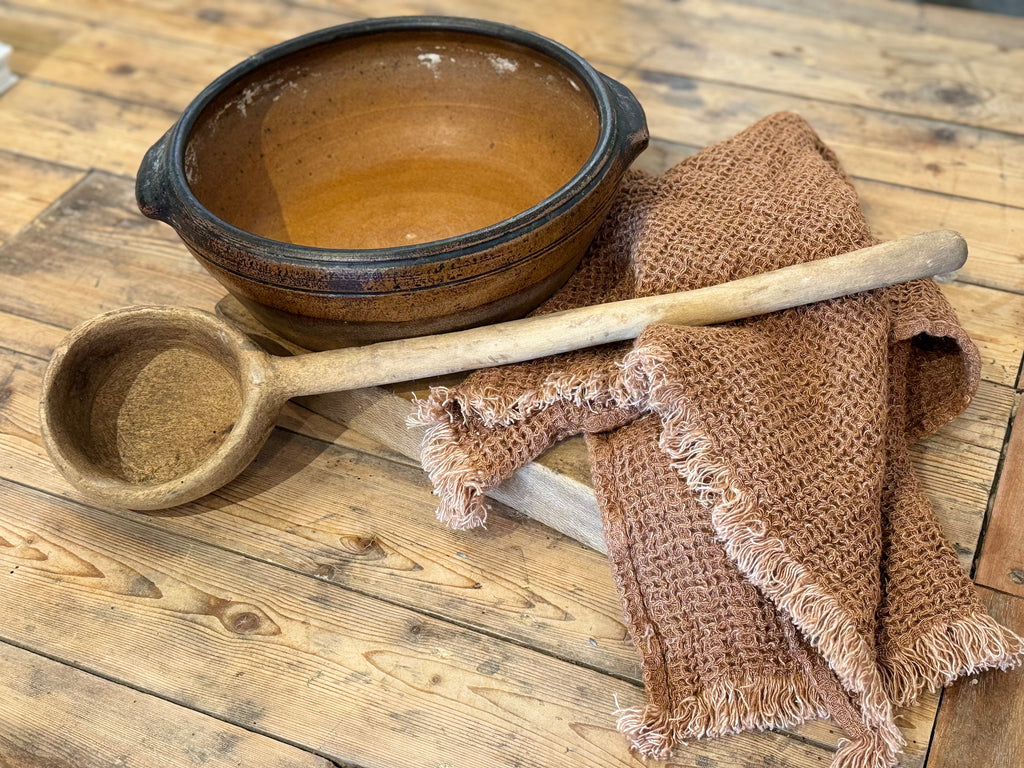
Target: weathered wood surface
column 52, row 714
column 86, row 71
column 27, row 186
column 1001, row 562
column 398, row 642
column 979, row 723
column 993, row 231
column 185, row 620
column 515, row 580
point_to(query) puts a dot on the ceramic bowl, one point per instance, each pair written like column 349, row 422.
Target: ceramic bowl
column 395, row 177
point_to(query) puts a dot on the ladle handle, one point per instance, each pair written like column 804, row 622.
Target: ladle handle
column 919, row 256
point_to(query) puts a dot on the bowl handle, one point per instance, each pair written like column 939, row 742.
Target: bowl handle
column 630, row 120
column 153, row 189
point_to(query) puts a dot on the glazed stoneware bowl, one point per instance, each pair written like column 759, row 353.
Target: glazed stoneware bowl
column 395, row 177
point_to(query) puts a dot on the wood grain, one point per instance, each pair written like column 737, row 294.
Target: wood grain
column 129, row 66
column 993, row 319
column 698, row 109
column 55, row 715
column 217, row 24
column 245, row 641
column 950, row 22
column 82, row 246
column 27, row 187
column 97, row 247
column 970, row 444
column 892, row 68
column 78, row 129
column 29, row 337
column 979, row 722
column 993, row 231
column 338, row 512
column 896, row 70
column 940, row 157
column 96, row 231
column 1001, row 564
column 960, row 502
column 331, row 533
column 349, row 518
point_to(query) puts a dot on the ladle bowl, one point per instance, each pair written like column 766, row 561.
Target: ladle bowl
column 150, row 407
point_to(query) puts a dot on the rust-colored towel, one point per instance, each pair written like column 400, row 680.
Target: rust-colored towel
column 776, row 558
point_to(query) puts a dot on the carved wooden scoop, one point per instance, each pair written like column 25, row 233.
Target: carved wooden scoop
column 149, row 407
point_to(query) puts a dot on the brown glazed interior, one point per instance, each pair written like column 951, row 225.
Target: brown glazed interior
column 390, row 139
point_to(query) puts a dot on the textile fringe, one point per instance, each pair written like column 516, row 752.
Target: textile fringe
column 455, row 474
column 871, row 751
column 458, row 482
column 597, row 391
column 945, row 652
column 654, row 731
column 764, row 561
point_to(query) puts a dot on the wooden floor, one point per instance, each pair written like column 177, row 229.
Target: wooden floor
column 313, row 612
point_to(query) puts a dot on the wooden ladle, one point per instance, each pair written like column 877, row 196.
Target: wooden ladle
column 149, row 407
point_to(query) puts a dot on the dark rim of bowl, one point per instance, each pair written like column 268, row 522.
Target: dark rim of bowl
column 406, row 255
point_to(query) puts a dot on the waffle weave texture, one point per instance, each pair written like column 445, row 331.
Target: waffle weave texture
column 775, row 556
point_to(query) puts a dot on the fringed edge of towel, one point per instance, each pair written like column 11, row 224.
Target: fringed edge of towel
column 765, row 562
column 457, row 476
column 870, row 751
column 654, row 731
column 948, row 651
column 940, row 656
column 458, row 482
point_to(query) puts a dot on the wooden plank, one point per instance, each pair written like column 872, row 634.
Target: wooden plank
column 907, row 70
column 218, row 24
column 55, row 715
column 241, row 27
column 957, row 478
column 82, row 248
column 96, row 229
column 826, row 54
column 78, row 130
column 562, row 601
column 993, row 319
column 97, row 221
column 138, row 68
column 27, row 186
column 158, row 67
column 916, row 724
column 983, row 423
column 933, row 155
column 981, row 720
column 98, row 248
column 931, row 18
column 339, row 514
column 1001, row 564
column 33, row 35
column 554, row 490
column 994, row 232
column 899, row 149
column 29, row 337
column 246, row 642
column 957, row 464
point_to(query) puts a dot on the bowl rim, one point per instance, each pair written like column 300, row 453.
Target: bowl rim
column 455, row 246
